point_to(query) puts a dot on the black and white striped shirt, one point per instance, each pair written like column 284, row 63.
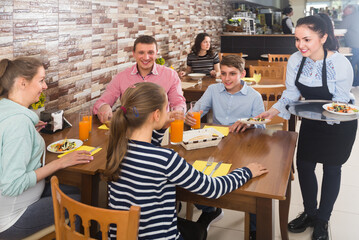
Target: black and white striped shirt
column 202, row 64
column 149, row 176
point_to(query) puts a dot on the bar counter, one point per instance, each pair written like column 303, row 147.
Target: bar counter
column 258, row 44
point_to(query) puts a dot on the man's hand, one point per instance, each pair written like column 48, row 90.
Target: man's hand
column 104, row 113
column 239, row 127
column 190, row 120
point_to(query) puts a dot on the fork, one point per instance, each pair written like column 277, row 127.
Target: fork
column 209, row 163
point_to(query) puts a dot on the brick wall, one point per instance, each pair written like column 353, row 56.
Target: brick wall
column 84, row 43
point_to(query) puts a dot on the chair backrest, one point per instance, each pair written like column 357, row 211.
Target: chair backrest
column 278, row 57
column 226, row 54
column 273, row 64
column 127, row 222
column 269, row 74
column 270, row 96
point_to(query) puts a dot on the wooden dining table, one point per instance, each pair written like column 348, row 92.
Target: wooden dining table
column 85, row 176
column 272, row 148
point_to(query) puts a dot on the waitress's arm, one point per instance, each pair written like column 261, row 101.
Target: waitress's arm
column 291, row 93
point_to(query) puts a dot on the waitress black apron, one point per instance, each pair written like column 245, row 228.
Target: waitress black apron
column 318, row 141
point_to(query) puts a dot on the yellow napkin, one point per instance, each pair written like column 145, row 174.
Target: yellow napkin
column 221, row 171
column 104, row 127
column 248, row 79
column 223, row 130
column 83, row 147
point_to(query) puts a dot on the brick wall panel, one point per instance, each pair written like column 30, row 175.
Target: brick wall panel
column 84, row 43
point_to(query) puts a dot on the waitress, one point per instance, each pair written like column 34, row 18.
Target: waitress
column 318, row 71
column 287, row 24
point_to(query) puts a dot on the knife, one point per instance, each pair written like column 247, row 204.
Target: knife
column 215, row 168
column 91, row 151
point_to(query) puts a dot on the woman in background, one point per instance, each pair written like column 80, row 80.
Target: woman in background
column 287, row 24
column 202, row 59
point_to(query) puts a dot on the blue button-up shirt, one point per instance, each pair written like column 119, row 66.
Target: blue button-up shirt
column 228, row 108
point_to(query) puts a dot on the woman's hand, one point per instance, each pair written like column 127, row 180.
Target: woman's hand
column 71, row 159
column 239, row 126
column 213, row 73
column 40, row 125
column 182, row 73
column 74, row 158
column 271, row 113
column 257, row 169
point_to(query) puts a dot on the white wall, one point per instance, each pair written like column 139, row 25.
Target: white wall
column 298, row 9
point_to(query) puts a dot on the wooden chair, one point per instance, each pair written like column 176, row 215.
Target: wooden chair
column 127, row 222
column 273, row 64
column 44, row 234
column 278, row 57
column 220, row 55
column 269, row 74
column 270, row 96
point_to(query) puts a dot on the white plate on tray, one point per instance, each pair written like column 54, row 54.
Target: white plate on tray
column 249, row 121
column 201, row 138
column 78, row 143
column 325, row 106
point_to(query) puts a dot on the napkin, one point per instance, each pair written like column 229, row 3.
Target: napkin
column 185, row 85
column 223, row 130
column 221, row 171
column 104, row 127
column 83, row 147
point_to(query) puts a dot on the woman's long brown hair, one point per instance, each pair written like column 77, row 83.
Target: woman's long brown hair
column 138, row 102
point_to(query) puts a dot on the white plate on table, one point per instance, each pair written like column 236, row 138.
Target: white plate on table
column 78, row 143
column 253, row 121
column 196, row 76
column 325, row 106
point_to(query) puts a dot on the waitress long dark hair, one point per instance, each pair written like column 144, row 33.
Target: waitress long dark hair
column 318, row 71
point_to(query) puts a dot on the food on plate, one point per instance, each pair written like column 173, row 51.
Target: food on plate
column 341, row 108
column 256, row 119
column 63, row 146
column 215, row 135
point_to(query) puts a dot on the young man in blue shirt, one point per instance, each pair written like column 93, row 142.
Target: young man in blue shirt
column 230, row 100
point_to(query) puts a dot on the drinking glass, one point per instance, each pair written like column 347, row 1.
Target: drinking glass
column 84, row 125
column 195, row 106
column 177, row 125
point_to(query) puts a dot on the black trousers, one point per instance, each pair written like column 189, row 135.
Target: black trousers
column 309, row 187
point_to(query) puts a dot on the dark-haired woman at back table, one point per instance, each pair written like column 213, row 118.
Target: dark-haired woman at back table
column 318, row 71
column 202, row 59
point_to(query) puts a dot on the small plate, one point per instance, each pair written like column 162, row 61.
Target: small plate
column 196, row 76
column 325, row 106
column 248, row 121
column 78, row 143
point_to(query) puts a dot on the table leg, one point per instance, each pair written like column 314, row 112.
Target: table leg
column 265, row 218
column 247, row 228
column 189, row 211
column 284, row 212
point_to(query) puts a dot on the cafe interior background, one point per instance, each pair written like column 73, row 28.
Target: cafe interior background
column 84, row 43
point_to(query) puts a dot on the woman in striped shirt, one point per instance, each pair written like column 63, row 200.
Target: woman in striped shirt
column 141, row 173
column 202, row 59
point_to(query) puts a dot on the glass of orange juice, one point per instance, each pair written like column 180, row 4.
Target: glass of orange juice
column 177, row 125
column 195, row 106
column 84, row 125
